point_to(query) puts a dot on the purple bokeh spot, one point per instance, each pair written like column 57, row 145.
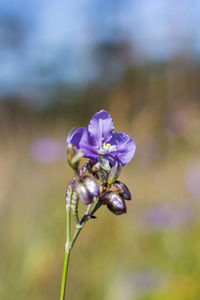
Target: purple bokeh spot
column 47, row 150
column 168, row 217
column 176, row 123
column 144, row 282
column 192, row 180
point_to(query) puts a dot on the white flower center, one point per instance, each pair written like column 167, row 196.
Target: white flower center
column 107, row 148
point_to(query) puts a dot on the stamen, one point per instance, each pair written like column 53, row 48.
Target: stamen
column 106, row 145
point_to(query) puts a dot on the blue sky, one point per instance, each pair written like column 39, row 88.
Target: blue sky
column 56, row 38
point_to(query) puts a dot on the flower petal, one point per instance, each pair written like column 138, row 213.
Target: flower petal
column 112, row 158
column 101, row 128
column 124, row 147
column 81, row 139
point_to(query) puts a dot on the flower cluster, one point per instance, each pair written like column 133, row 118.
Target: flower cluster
column 107, row 152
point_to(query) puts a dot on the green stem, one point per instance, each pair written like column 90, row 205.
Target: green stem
column 68, row 223
column 86, row 216
column 78, row 230
column 68, row 241
column 68, row 248
column 65, row 269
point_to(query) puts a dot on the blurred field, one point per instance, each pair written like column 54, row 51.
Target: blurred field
column 150, row 253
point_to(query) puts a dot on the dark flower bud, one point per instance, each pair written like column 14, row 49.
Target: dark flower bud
column 104, row 198
column 91, row 185
column 83, row 193
column 87, row 189
column 114, row 202
column 120, row 188
column 114, row 173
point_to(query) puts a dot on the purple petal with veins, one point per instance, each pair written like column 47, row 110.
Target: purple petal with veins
column 99, row 139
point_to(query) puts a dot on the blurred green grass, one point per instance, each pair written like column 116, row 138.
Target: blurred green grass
column 134, row 256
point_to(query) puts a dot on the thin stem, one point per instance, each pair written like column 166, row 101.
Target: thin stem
column 68, row 241
column 68, row 198
column 89, row 207
column 68, row 223
column 76, row 218
column 78, row 230
column 68, row 248
column 65, row 269
column 86, row 217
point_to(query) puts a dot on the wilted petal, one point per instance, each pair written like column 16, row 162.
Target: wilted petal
column 101, row 127
column 124, row 147
column 81, row 139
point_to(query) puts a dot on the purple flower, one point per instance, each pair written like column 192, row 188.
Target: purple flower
column 99, row 139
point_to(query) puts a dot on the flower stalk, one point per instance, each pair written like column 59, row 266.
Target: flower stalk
column 107, row 152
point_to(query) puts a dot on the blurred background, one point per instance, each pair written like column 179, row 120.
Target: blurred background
column 61, row 62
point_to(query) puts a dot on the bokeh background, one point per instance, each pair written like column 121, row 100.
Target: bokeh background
column 60, row 62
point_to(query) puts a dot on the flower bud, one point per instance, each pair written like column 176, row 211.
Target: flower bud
column 91, row 185
column 104, row 163
column 83, row 193
column 114, row 173
column 120, row 188
column 102, row 175
column 114, row 202
column 74, row 156
column 87, row 189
